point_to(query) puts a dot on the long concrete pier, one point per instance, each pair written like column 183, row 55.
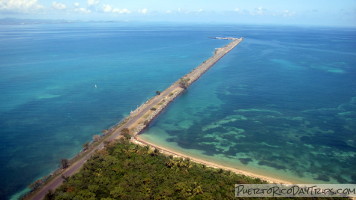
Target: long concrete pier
column 154, row 106
column 139, row 118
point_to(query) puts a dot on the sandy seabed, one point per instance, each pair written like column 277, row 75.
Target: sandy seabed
column 166, row 151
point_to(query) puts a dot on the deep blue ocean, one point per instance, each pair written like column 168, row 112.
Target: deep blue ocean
column 283, row 101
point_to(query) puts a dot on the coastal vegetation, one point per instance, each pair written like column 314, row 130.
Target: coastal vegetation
column 125, row 131
column 184, row 82
column 64, row 163
column 128, row 171
column 124, row 170
column 86, row 146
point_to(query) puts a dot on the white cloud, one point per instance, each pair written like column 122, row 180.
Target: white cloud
column 180, row 11
column 194, row 11
column 58, row 6
column 109, row 9
column 79, row 9
column 143, row 11
column 259, row 11
column 185, row 11
column 288, row 13
column 82, row 10
column 121, row 11
column 93, row 2
column 25, row 6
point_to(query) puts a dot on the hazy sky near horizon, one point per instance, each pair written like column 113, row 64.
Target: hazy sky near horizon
column 293, row 12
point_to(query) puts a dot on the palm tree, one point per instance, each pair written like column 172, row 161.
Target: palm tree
column 126, row 133
column 64, row 163
column 184, row 82
column 85, row 146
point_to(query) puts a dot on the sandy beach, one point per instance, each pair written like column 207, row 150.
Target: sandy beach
column 166, row 151
column 139, row 119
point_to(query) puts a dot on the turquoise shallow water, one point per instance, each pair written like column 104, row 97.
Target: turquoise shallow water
column 49, row 105
column 283, row 103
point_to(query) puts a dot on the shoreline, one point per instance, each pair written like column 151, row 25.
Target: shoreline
column 138, row 140
column 134, row 124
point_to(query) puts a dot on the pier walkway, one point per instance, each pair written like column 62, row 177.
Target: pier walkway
column 141, row 117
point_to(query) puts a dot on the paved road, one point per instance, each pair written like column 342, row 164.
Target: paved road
column 57, row 181
column 194, row 75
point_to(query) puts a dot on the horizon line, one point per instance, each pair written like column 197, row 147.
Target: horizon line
column 27, row 21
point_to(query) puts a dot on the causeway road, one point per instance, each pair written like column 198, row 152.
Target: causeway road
column 136, row 117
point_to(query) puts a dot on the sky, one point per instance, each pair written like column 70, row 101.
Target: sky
column 285, row 12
